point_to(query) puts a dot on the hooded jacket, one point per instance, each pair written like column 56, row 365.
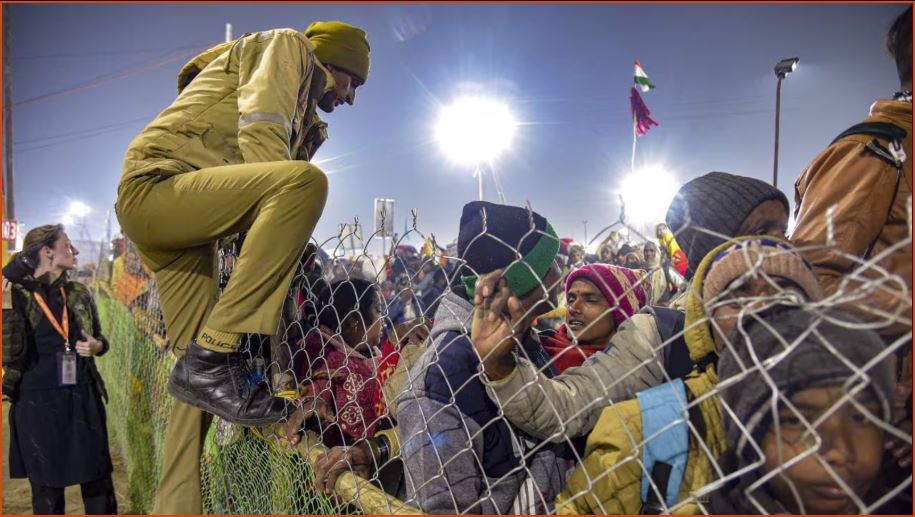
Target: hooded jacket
column 251, row 100
column 870, row 209
column 459, row 455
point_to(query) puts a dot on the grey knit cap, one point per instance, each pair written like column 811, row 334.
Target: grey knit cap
column 809, row 363
column 718, row 202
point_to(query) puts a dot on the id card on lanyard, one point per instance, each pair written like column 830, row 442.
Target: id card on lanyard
column 66, row 360
column 66, row 368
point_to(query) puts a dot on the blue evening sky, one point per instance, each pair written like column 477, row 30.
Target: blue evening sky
column 87, row 78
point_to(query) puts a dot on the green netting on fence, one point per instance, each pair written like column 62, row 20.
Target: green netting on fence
column 251, row 475
column 138, row 405
column 241, row 472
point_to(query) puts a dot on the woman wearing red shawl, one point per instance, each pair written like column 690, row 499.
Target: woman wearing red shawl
column 338, row 363
column 341, row 366
column 599, row 298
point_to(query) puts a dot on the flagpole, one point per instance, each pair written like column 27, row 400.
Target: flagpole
column 634, row 140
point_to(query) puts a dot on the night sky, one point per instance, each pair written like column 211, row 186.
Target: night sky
column 87, row 78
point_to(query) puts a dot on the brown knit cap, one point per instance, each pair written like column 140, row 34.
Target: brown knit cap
column 770, row 256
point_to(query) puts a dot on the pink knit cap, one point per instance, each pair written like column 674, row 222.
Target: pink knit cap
column 621, row 286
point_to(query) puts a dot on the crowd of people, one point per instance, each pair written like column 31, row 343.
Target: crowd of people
column 720, row 366
column 563, row 418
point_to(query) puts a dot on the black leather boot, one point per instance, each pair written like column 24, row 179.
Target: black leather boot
column 217, row 383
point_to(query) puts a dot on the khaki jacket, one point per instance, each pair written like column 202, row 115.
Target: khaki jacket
column 861, row 186
column 248, row 101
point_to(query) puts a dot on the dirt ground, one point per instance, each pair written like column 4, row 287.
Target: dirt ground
column 17, row 495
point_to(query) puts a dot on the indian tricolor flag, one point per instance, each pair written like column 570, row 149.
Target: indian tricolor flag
column 641, row 78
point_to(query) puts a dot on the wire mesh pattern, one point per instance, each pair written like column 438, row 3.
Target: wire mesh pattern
column 614, row 398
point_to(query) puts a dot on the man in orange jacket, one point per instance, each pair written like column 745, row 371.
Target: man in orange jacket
column 869, row 182
column 865, row 177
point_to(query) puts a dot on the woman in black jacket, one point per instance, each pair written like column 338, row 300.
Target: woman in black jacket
column 51, row 334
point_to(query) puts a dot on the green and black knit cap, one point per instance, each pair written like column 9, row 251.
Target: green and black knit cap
column 496, row 236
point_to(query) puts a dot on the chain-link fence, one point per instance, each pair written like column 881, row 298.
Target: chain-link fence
column 519, row 372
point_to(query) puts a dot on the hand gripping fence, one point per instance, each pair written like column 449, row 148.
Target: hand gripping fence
column 636, row 395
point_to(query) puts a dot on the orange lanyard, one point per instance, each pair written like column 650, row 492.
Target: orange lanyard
column 62, row 328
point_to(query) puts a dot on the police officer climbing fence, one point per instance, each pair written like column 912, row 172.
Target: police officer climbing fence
column 231, row 154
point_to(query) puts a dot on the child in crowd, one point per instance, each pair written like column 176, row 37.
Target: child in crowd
column 337, row 365
column 806, row 401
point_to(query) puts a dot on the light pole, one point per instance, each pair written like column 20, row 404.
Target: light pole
column 474, row 132
column 9, row 199
column 478, row 172
column 782, row 69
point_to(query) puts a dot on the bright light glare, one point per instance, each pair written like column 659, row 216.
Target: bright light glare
column 474, row 130
column 67, row 220
column 79, row 209
column 648, row 193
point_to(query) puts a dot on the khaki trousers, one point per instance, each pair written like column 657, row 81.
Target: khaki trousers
column 175, row 222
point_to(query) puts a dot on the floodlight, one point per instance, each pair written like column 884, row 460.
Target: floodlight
column 78, row 209
column 785, row 67
column 475, row 130
column 647, row 194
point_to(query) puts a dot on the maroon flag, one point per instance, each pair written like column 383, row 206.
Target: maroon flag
column 641, row 116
